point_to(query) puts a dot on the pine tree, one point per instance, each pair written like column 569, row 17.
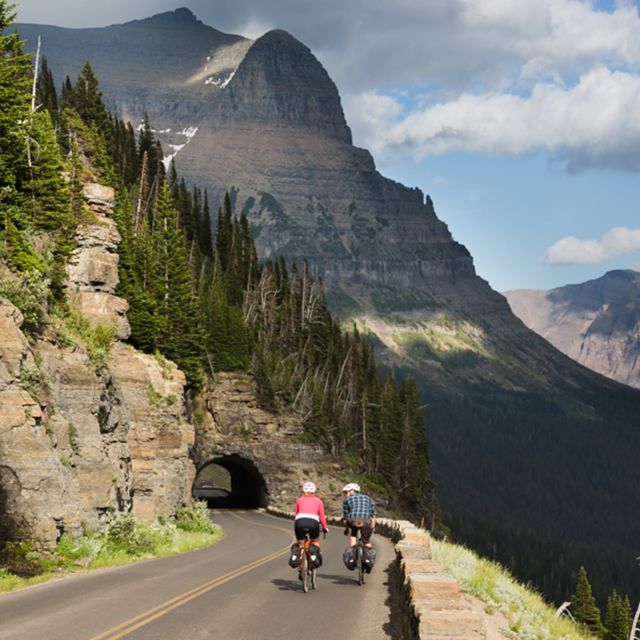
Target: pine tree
column 583, row 605
column 224, row 233
column 87, row 100
column 46, row 94
column 205, row 235
column 616, row 619
column 180, row 337
column 15, row 98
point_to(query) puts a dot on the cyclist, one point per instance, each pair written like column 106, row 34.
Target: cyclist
column 358, row 512
column 309, row 515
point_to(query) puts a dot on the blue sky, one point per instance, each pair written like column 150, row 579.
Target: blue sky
column 521, row 118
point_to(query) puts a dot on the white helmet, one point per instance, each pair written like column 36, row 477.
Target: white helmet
column 352, row 486
column 309, row 487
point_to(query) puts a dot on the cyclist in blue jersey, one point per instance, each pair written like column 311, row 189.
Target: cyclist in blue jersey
column 358, row 512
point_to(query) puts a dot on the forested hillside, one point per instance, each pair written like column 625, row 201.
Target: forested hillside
column 199, row 299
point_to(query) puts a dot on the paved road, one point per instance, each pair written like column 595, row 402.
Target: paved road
column 240, row 589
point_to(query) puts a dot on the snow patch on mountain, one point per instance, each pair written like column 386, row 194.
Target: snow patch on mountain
column 188, row 133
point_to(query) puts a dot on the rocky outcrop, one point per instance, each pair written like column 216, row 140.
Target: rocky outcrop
column 597, row 323
column 159, row 435
column 234, row 432
column 79, row 442
column 33, row 479
column 93, row 266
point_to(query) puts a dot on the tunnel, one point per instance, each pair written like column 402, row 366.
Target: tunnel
column 230, row 481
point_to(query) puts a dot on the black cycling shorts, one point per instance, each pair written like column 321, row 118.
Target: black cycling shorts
column 302, row 525
column 364, row 524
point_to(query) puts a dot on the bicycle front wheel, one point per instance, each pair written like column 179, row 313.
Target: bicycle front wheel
column 313, row 578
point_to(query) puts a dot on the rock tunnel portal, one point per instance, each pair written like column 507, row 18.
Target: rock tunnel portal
column 230, row 481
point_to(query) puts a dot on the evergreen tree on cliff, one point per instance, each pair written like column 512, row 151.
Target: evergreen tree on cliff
column 180, row 336
column 583, row 605
column 15, row 80
column 617, row 620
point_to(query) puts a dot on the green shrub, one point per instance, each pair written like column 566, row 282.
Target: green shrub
column 195, row 518
column 97, row 338
column 29, row 294
column 120, row 529
column 20, row 558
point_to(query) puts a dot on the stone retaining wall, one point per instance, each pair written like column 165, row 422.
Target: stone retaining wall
column 434, row 608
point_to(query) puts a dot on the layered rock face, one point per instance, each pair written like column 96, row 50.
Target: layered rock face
column 597, row 323
column 77, row 442
column 235, row 433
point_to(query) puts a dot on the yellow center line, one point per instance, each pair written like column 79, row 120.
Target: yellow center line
column 128, row 626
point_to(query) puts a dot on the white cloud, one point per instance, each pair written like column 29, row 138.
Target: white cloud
column 594, row 123
column 616, row 242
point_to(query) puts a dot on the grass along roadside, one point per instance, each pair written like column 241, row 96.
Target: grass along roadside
column 123, row 541
column 529, row 616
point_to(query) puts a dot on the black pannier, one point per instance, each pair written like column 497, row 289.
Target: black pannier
column 315, row 555
column 369, row 558
column 294, row 556
column 349, row 558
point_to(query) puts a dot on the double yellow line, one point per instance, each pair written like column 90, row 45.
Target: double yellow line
column 128, row 626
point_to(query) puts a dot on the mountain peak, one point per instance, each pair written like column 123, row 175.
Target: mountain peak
column 178, row 17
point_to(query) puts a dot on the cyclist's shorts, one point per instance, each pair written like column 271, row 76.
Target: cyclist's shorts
column 364, row 524
column 302, row 525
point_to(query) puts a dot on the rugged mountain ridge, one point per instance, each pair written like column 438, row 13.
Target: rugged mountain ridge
column 597, row 323
column 506, row 411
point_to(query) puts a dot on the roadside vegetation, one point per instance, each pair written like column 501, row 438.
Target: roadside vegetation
column 124, row 540
column 529, row 616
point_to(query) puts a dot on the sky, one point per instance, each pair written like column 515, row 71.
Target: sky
column 520, row 118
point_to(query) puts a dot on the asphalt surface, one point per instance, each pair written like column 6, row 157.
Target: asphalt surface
column 240, row 588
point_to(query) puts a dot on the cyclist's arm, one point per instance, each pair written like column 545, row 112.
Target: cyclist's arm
column 323, row 519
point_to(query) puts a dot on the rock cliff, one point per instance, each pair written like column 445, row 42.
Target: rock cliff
column 79, row 441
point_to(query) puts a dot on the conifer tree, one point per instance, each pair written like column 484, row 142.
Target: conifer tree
column 583, row 605
column 205, row 233
column 224, row 233
column 46, row 94
column 180, row 336
column 616, row 619
column 15, row 98
column 87, row 100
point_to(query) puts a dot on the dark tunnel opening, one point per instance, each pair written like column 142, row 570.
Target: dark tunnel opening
column 230, row 482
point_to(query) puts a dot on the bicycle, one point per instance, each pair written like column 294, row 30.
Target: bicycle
column 307, row 568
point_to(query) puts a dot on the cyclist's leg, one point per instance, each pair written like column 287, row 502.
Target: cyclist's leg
column 353, row 532
column 314, row 534
column 367, row 532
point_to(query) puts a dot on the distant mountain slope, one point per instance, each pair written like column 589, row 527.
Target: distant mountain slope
column 597, row 323
column 526, row 444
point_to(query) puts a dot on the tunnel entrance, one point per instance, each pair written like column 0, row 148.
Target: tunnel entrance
column 230, row 481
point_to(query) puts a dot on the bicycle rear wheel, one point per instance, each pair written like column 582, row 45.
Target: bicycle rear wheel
column 360, row 563
column 306, row 578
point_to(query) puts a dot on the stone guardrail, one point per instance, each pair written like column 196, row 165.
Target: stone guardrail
column 433, row 606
